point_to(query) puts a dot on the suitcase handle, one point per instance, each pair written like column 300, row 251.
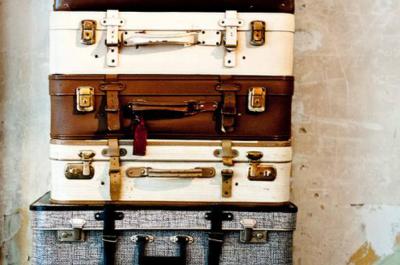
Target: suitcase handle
column 141, row 242
column 142, row 172
column 166, row 109
column 143, row 39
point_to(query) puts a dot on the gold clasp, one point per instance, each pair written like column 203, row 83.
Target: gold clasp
column 257, row 33
column 85, row 99
column 257, row 99
column 88, row 36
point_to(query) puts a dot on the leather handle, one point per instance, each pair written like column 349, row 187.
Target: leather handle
column 142, row 39
column 141, row 172
column 183, row 108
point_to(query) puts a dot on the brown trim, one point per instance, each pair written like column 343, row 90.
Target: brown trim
column 176, row 143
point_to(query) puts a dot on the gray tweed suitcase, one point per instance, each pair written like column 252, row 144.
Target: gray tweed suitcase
column 152, row 235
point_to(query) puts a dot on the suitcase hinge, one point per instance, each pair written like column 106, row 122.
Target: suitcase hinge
column 83, row 170
column 227, row 175
column 257, row 33
column 113, row 22
column 231, row 23
column 227, row 153
column 258, row 172
column 257, row 99
column 85, row 99
column 249, row 235
column 88, row 32
column 75, row 235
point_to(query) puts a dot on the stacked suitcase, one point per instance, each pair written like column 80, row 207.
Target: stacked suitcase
column 170, row 127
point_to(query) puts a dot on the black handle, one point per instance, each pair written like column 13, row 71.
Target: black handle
column 141, row 242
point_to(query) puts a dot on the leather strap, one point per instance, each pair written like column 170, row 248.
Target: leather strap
column 216, row 236
column 228, row 108
column 112, row 108
column 108, row 216
column 114, row 170
column 140, row 137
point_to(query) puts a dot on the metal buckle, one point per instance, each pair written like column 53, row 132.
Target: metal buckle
column 257, row 33
column 251, row 236
column 258, row 172
column 257, row 99
column 85, row 99
column 88, row 34
column 82, row 170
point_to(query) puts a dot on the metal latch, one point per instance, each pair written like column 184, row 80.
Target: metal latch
column 227, row 175
column 88, row 35
column 113, row 22
column 249, row 235
column 76, row 234
column 142, row 172
column 82, row 170
column 227, row 153
column 85, row 99
column 231, row 22
column 257, row 99
column 257, row 33
column 258, row 172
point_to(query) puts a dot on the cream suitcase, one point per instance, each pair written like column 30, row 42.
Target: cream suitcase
column 115, row 42
column 171, row 172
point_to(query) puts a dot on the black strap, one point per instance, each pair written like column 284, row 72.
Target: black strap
column 156, row 260
column 110, row 236
column 216, row 235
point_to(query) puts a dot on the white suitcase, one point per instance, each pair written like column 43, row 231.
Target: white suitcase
column 115, row 42
column 171, row 172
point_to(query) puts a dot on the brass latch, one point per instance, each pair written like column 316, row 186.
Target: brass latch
column 249, row 235
column 257, row 33
column 142, row 172
column 88, row 35
column 257, row 99
column 82, row 170
column 258, row 172
column 227, row 175
column 75, row 235
column 85, row 99
column 227, row 153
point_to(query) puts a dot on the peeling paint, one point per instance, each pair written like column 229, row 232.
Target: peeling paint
column 365, row 255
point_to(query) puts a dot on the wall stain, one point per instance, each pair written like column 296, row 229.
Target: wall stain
column 365, row 255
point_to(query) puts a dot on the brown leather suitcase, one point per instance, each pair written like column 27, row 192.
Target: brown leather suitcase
column 284, row 6
column 170, row 107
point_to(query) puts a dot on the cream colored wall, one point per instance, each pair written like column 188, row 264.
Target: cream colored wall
column 346, row 122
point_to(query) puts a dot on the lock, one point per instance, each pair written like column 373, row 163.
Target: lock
column 257, row 33
column 75, row 235
column 257, row 99
column 82, row 170
column 250, row 235
column 88, row 29
column 259, row 172
column 85, row 99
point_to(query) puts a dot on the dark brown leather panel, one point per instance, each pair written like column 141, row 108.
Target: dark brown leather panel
column 284, row 6
column 273, row 124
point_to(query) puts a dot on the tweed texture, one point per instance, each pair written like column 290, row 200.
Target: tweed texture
column 162, row 225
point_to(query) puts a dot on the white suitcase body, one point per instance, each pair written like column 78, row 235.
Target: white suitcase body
column 171, row 43
column 174, row 155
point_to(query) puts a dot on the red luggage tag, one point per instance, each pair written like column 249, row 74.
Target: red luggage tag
column 139, row 136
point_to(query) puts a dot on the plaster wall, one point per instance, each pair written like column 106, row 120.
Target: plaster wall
column 346, row 120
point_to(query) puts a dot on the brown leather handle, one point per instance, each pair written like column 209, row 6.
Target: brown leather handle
column 183, row 108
